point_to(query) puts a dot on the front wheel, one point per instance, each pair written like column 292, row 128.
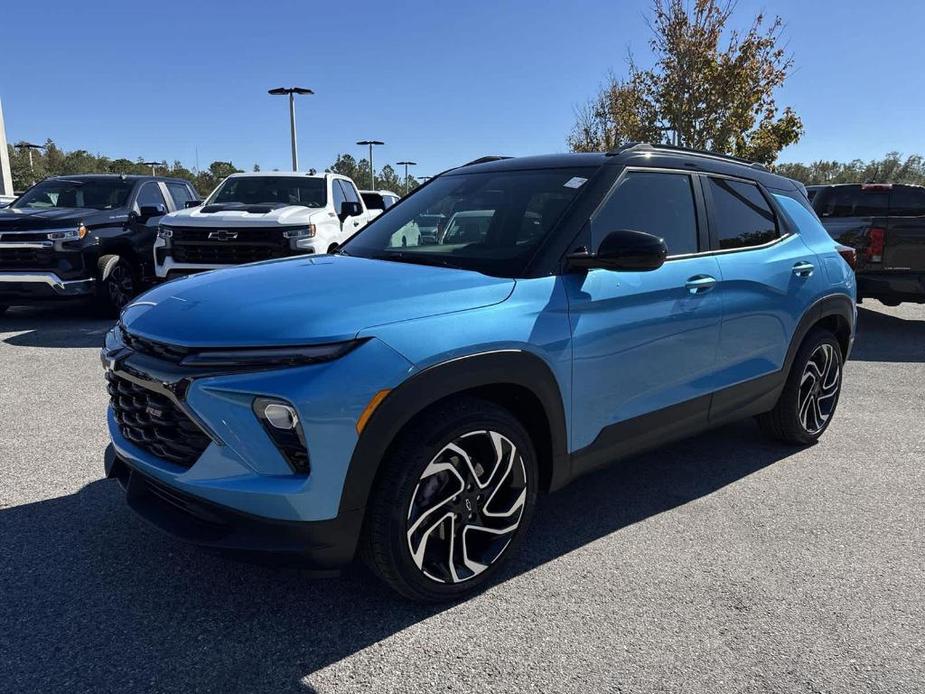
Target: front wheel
column 453, row 499
column 117, row 285
column 807, row 403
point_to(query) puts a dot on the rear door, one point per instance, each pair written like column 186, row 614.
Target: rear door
column 769, row 278
column 904, row 245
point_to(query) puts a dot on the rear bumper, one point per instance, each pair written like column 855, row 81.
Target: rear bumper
column 38, row 285
column 892, row 285
column 323, row 546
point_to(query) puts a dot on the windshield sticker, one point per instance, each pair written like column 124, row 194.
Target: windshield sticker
column 576, row 182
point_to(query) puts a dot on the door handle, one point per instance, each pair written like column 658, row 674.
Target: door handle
column 356, row 223
column 803, row 269
column 698, row 284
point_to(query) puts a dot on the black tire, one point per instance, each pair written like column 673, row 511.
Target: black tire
column 807, row 404
column 401, row 501
column 117, row 286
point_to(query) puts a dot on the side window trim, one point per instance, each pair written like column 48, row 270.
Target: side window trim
column 700, row 208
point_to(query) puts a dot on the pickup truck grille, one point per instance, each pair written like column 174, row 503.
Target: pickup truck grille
column 152, row 422
column 26, row 258
column 193, row 245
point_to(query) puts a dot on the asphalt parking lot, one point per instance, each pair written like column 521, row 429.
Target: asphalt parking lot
column 725, row 563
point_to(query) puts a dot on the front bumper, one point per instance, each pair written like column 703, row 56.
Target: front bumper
column 37, row 285
column 319, row 545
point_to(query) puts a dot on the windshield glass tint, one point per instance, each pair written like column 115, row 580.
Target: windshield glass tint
column 100, row 194
column 487, row 222
column 271, row 190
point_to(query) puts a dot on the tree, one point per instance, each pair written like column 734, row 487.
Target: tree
column 708, row 88
column 891, row 169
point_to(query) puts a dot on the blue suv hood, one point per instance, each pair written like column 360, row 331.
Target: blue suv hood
column 303, row 301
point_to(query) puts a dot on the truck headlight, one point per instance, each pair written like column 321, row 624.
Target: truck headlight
column 164, row 232
column 68, row 234
column 301, row 233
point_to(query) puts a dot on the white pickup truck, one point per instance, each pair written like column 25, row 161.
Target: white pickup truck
column 259, row 216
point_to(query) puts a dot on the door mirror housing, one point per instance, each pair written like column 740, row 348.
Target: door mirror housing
column 148, row 211
column 624, row 250
column 350, row 209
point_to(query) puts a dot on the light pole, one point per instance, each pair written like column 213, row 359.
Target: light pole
column 406, row 164
column 372, row 169
column 424, row 178
column 154, row 165
column 29, row 146
column 291, row 91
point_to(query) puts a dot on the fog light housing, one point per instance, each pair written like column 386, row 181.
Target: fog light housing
column 281, row 422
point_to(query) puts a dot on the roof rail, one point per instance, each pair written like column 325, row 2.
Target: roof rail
column 483, row 160
column 644, row 146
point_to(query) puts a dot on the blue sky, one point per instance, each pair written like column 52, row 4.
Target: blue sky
column 440, row 83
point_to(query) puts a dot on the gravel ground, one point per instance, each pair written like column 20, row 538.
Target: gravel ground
column 724, row 563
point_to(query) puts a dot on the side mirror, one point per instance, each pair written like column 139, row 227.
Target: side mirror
column 192, row 203
column 148, row 211
column 350, row 209
column 627, row 250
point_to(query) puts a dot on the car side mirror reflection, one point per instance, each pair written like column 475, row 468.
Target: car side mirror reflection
column 624, row 250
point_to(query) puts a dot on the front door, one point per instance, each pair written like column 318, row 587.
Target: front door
column 645, row 341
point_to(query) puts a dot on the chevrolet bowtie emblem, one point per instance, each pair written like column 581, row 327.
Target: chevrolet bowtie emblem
column 223, row 235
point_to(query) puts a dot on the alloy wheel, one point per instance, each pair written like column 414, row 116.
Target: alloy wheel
column 466, row 507
column 819, row 387
column 120, row 285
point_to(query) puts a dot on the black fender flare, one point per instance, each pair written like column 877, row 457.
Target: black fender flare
column 504, row 367
column 840, row 305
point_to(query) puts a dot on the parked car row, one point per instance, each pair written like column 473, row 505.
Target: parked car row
column 105, row 237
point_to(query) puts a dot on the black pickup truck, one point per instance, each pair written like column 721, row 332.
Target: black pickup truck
column 885, row 223
column 84, row 237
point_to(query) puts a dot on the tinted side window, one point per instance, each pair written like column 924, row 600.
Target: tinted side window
column 743, row 216
column 852, row 201
column 338, row 193
column 180, row 194
column 657, row 203
column 350, row 192
column 389, row 200
column 907, row 201
column 150, row 196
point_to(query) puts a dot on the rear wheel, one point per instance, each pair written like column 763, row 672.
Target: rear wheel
column 117, row 286
column 807, row 403
column 453, row 500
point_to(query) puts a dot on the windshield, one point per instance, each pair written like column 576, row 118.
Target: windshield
column 487, row 222
column 96, row 194
column 271, row 190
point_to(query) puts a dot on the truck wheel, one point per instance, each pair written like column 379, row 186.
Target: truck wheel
column 807, row 403
column 452, row 501
column 117, row 284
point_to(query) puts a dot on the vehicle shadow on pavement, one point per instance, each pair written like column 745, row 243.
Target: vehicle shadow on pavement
column 889, row 338
column 54, row 326
column 95, row 600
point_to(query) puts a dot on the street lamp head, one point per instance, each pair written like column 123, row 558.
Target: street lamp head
column 28, row 145
column 406, row 163
column 283, row 91
column 370, row 142
column 153, row 163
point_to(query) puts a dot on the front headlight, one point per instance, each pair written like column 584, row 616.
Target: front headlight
column 303, row 233
column 164, row 232
column 68, row 234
